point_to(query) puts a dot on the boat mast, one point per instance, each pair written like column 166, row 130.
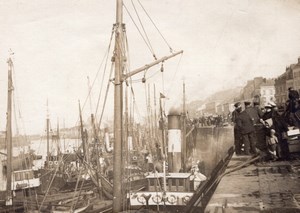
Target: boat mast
column 48, row 126
column 9, row 135
column 184, row 131
column 83, row 138
column 117, row 180
column 118, row 98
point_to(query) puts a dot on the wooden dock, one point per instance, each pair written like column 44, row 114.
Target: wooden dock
column 258, row 187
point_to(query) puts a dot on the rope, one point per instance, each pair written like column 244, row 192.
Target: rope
column 148, row 40
column 177, row 68
column 139, row 31
column 106, row 56
column 106, row 95
column 48, row 189
column 134, row 103
column 171, row 50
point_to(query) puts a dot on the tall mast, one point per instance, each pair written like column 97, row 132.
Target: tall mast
column 90, row 93
column 47, row 121
column 184, row 130
column 9, row 135
column 118, row 97
column 58, row 138
column 83, row 136
column 117, row 180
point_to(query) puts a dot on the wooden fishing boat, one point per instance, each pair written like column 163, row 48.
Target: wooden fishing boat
column 18, row 180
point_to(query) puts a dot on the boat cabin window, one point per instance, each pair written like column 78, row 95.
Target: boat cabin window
column 175, row 182
column 23, row 175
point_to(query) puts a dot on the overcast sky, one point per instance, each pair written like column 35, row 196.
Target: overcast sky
column 58, row 43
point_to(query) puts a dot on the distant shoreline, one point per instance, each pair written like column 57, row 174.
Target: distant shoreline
column 20, row 141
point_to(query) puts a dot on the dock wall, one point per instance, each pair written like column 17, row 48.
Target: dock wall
column 210, row 146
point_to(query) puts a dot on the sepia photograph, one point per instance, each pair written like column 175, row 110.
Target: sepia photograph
column 149, row 106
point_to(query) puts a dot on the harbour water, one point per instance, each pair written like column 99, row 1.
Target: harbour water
column 39, row 146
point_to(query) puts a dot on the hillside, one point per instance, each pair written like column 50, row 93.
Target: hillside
column 225, row 96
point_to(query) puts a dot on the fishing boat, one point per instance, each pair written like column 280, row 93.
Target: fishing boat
column 176, row 184
column 60, row 170
column 17, row 180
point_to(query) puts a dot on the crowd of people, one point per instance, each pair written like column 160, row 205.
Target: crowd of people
column 264, row 130
column 209, row 120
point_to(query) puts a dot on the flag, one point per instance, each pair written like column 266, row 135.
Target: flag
column 162, row 95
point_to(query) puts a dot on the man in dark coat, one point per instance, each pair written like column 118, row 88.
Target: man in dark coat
column 293, row 106
column 293, row 94
column 281, row 127
column 256, row 115
column 237, row 132
column 246, row 124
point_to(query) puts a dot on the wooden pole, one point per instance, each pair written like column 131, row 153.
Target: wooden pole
column 9, row 135
column 83, row 138
column 117, row 180
column 184, row 148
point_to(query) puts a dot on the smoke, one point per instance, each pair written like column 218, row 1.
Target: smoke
column 174, row 111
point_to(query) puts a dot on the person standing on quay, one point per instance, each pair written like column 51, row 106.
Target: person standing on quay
column 293, row 106
column 281, row 127
column 246, row 124
column 256, row 115
column 236, row 130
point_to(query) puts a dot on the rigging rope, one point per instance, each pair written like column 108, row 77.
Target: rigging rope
column 102, row 82
column 173, row 78
column 148, row 40
column 106, row 95
column 139, row 31
column 170, row 48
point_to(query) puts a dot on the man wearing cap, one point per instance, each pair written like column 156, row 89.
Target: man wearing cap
column 281, row 127
column 236, row 130
column 246, row 124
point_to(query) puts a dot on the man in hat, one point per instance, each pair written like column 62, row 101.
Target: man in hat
column 254, row 112
column 236, row 130
column 268, row 111
column 293, row 94
column 246, row 125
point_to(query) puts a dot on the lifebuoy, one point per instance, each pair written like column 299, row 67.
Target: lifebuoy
column 185, row 199
column 56, row 162
column 156, row 199
column 141, row 199
column 172, row 199
column 50, row 162
column 134, row 158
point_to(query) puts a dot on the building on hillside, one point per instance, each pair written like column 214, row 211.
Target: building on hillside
column 211, row 107
column 267, row 92
column 219, row 109
column 200, row 111
column 259, row 89
column 281, row 89
column 296, row 73
column 224, row 109
column 252, row 89
column 290, row 78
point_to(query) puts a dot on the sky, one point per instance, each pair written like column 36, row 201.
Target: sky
column 57, row 45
